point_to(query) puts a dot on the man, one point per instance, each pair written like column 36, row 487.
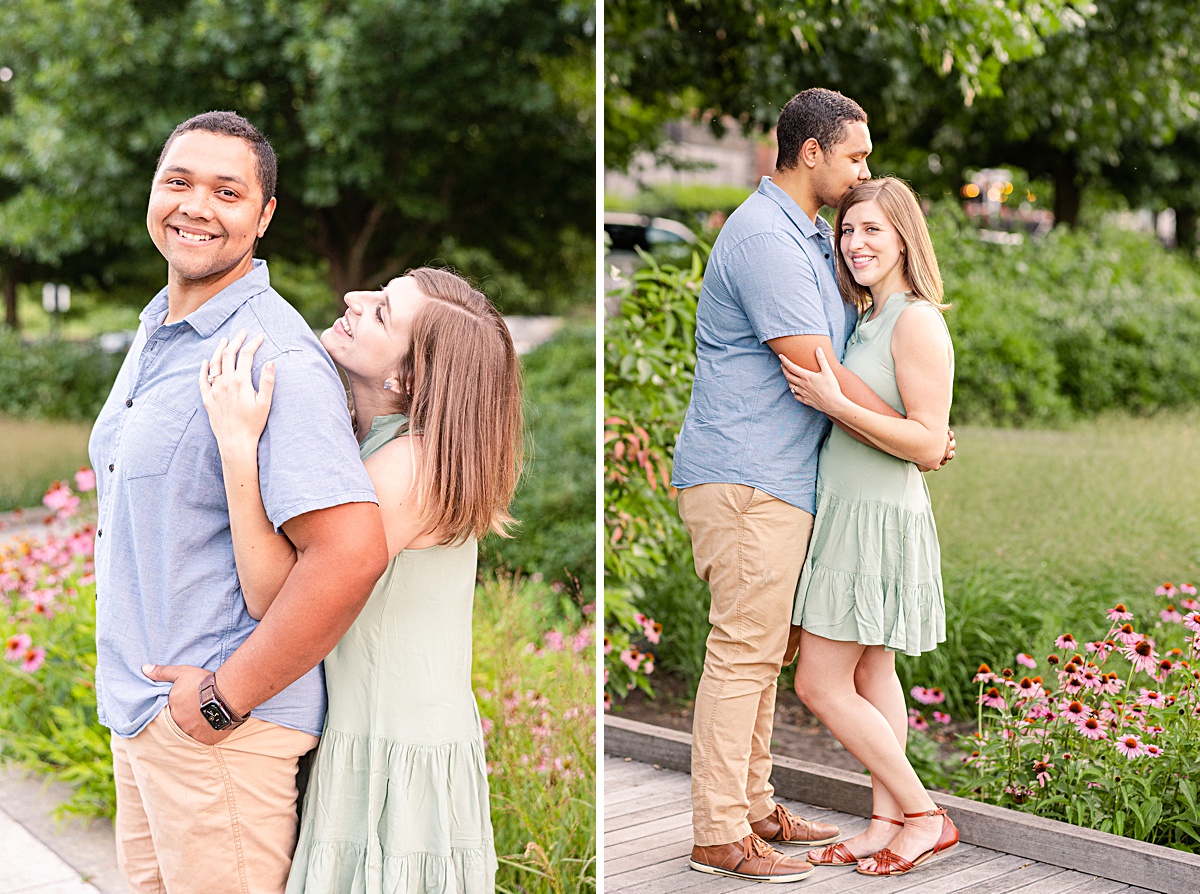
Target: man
column 746, row 465
column 206, row 795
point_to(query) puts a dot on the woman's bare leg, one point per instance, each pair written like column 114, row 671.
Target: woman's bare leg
column 827, row 681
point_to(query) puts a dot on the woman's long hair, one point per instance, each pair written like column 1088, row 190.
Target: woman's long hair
column 899, row 203
column 462, row 374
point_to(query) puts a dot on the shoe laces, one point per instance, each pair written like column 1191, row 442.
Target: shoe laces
column 787, row 822
column 755, row 846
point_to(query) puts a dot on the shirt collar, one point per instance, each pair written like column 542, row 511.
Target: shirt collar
column 795, row 213
column 212, row 314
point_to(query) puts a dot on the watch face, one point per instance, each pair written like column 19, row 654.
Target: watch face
column 215, row 715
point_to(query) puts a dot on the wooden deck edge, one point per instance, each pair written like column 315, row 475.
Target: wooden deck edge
column 1047, row 841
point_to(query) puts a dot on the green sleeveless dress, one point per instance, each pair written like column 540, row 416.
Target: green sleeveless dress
column 398, row 797
column 873, row 571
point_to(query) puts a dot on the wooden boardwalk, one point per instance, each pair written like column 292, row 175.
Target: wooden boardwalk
column 648, row 839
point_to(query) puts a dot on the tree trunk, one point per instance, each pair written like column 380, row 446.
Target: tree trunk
column 10, row 298
column 1067, row 193
column 1186, row 219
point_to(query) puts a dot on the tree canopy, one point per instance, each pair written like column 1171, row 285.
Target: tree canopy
column 744, row 58
column 398, row 124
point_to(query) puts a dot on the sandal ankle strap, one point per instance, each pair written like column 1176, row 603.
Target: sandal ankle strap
column 887, row 819
column 937, row 811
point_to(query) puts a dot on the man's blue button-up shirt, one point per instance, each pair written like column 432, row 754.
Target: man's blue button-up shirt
column 167, row 589
column 771, row 274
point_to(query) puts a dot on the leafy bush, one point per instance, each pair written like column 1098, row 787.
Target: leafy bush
column 556, row 501
column 689, row 203
column 53, row 378
column 649, row 351
column 1067, row 326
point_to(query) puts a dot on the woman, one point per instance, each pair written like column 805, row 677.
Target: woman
column 871, row 584
column 397, row 800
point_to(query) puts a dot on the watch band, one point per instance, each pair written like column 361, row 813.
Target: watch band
column 216, row 710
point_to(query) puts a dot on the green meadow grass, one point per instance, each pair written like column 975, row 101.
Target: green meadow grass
column 1041, row 531
column 35, row 452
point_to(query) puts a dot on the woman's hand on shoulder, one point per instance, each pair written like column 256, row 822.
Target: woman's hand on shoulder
column 236, row 412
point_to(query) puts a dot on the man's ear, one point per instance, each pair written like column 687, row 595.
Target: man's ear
column 811, row 153
column 264, row 219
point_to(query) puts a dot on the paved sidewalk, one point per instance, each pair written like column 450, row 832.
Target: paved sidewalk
column 39, row 856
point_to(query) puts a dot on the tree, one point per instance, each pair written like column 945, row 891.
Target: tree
column 743, row 59
column 398, row 123
column 1102, row 104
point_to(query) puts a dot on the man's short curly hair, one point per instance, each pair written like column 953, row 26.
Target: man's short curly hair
column 815, row 114
column 231, row 124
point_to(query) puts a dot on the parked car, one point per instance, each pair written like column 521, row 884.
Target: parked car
column 629, row 231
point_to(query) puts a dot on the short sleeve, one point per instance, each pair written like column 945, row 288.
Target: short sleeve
column 774, row 280
column 308, row 456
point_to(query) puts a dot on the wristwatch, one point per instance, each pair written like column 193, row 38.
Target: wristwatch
column 214, row 707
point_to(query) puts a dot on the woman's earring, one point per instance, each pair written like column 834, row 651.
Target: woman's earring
column 387, row 386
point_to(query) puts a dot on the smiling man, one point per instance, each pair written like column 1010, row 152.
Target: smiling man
column 209, row 709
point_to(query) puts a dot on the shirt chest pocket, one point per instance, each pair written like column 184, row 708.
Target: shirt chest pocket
column 151, row 438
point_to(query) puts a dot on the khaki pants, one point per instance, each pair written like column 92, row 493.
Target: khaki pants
column 749, row 547
column 195, row 818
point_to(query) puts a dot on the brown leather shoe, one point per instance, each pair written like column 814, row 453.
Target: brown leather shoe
column 784, row 826
column 751, row 859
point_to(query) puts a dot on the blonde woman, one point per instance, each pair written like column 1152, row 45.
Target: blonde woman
column 871, row 584
column 398, row 798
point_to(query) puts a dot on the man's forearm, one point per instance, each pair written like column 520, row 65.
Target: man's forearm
column 324, row 593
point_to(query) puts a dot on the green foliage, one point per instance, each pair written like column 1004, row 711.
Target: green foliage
column 54, row 379
column 1032, row 752
column 1067, row 326
column 690, row 203
column 556, row 499
column 649, row 359
column 394, row 121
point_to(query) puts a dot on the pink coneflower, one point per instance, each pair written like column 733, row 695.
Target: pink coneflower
column 554, row 641
column 1167, row 589
column 85, row 479
column 1142, row 655
column 940, row 717
column 1165, row 667
column 1042, row 769
column 1120, row 613
column 1153, row 751
column 1187, row 589
column 34, row 658
column 1192, row 621
column 487, row 725
column 608, row 645
column 1066, row 641
column 984, row 675
column 1101, row 647
column 1026, row 660
column 1112, row 684
column 1128, row 635
column 648, row 667
column 1028, row 688
column 1152, row 730
column 916, row 720
column 1152, row 698
column 992, row 698
column 933, row 696
column 1130, row 746
column 1170, row 615
column 1075, row 711
column 1189, row 605
column 1091, row 728
column 607, row 702
column 1071, row 684
column 16, row 645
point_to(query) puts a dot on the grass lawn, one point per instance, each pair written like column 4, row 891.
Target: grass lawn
column 1041, row 531
column 35, row 452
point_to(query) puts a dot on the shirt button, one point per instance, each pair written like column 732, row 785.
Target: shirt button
column 129, row 402
column 827, row 255
column 111, row 466
column 100, row 533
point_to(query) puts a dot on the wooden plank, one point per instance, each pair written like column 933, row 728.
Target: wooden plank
column 648, row 813
column 1112, row 857
column 675, row 821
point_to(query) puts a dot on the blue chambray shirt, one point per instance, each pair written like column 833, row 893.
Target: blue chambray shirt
column 770, row 274
column 167, row 590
